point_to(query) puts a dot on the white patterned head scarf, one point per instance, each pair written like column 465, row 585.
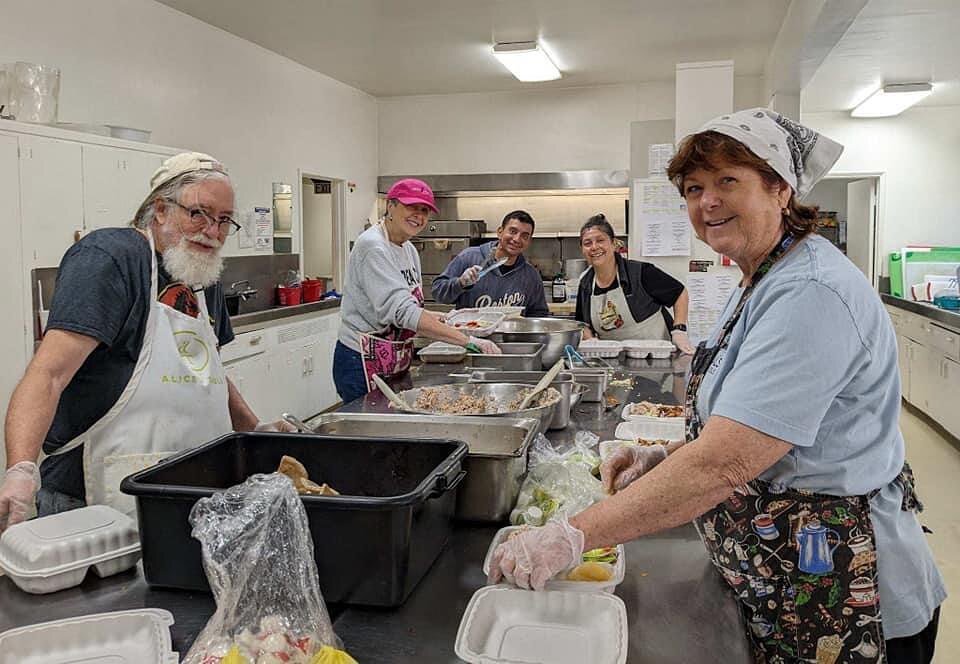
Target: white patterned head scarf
column 798, row 154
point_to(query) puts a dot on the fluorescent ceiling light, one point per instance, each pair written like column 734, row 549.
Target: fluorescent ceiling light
column 526, row 60
column 891, row 100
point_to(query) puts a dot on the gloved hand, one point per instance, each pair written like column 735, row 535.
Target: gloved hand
column 486, row 346
column 280, row 426
column 628, row 463
column 535, row 556
column 17, row 492
column 469, row 276
column 682, row 341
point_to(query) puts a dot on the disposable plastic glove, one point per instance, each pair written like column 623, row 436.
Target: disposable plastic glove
column 629, row 463
column 535, row 556
column 682, row 341
column 17, row 493
column 469, row 276
column 279, row 426
column 486, row 346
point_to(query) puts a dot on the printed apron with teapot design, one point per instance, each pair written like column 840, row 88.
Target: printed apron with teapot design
column 611, row 317
column 802, row 565
column 175, row 399
column 390, row 352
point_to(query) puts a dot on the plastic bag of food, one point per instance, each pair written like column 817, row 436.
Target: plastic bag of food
column 258, row 556
column 558, row 481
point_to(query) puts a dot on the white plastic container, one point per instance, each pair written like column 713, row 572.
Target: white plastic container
column 658, row 349
column 440, row 352
column 605, row 348
column 486, row 321
column 651, row 428
column 508, row 625
column 54, row 552
column 559, row 583
column 122, row 637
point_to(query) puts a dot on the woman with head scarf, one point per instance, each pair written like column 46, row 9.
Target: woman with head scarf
column 382, row 308
column 626, row 299
column 793, row 468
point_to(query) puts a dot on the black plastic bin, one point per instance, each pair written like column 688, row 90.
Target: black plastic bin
column 372, row 544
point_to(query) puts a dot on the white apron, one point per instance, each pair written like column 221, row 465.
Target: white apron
column 176, row 399
column 611, row 318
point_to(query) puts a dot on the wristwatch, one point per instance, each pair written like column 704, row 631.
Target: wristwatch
column 678, row 326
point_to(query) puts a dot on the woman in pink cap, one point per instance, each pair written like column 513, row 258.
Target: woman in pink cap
column 382, row 308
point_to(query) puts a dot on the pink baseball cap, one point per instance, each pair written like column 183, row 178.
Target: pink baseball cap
column 411, row 191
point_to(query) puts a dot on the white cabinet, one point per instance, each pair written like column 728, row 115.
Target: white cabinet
column 51, row 199
column 903, row 362
column 924, row 377
column 247, row 376
column 13, row 327
column 949, row 418
column 115, row 182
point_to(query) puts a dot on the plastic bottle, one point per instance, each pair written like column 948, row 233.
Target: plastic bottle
column 559, row 288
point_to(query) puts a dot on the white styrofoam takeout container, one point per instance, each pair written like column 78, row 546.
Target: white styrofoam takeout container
column 619, row 569
column 123, row 637
column 489, row 320
column 54, row 552
column 440, row 352
column 510, row 626
column 651, row 428
column 606, row 348
column 658, row 349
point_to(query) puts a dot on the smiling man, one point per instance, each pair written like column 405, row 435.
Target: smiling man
column 513, row 283
column 129, row 370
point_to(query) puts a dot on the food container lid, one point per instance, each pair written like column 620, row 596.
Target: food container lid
column 476, row 322
column 558, row 582
column 70, row 540
column 652, row 344
column 512, row 626
column 652, row 428
column 122, row 637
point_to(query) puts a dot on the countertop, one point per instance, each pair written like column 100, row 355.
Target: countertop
column 678, row 608
column 937, row 314
column 255, row 319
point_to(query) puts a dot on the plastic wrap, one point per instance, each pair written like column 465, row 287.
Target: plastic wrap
column 34, row 92
column 258, row 557
column 559, row 481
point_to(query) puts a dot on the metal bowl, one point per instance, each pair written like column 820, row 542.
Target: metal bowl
column 503, row 393
column 553, row 333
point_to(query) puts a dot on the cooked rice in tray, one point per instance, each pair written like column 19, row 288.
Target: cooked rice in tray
column 451, row 401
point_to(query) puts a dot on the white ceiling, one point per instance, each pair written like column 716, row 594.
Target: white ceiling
column 891, row 41
column 407, row 47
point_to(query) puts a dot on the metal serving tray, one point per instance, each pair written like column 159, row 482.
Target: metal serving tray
column 516, row 357
column 495, row 464
column 595, row 381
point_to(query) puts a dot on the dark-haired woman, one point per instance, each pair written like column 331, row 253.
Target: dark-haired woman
column 794, row 468
column 625, row 299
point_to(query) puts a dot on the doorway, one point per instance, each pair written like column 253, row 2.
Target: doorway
column 855, row 201
column 321, row 201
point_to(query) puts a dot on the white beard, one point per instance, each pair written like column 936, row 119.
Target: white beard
column 190, row 266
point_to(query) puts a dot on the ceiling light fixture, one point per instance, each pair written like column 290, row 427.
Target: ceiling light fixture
column 526, row 60
column 891, row 100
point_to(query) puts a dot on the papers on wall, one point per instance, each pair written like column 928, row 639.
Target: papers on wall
column 661, row 214
column 256, row 229
column 709, row 292
column 658, row 156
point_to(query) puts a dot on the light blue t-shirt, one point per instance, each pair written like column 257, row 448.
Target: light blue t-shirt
column 813, row 361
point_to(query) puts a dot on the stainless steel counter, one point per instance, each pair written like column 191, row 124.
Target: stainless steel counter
column 948, row 318
column 256, row 319
column 678, row 608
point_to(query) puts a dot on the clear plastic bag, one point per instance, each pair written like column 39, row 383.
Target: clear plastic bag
column 258, row 557
column 559, row 481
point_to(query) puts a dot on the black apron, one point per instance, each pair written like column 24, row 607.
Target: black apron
column 802, row 565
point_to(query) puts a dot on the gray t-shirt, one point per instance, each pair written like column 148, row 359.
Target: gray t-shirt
column 383, row 288
column 813, row 361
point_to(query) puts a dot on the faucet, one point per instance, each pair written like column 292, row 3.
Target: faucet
column 244, row 294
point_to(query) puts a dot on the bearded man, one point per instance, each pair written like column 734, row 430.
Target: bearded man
column 129, row 369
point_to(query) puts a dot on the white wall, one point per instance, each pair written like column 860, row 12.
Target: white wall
column 529, row 131
column 142, row 64
column 918, row 154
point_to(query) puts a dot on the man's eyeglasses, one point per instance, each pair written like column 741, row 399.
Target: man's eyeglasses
column 201, row 219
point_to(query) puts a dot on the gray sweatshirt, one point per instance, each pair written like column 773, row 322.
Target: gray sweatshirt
column 520, row 286
column 377, row 290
